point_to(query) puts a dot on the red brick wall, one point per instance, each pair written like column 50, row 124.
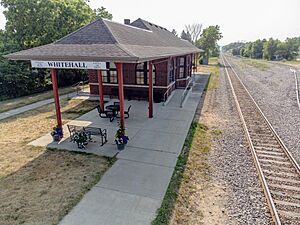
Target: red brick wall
column 162, row 70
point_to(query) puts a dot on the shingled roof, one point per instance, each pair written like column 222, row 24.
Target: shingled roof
column 104, row 40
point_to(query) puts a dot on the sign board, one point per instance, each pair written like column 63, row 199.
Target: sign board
column 68, row 64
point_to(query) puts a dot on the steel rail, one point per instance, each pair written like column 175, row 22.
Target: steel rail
column 287, row 152
column 297, row 86
column 270, row 201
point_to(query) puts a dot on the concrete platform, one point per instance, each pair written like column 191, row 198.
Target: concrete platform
column 131, row 191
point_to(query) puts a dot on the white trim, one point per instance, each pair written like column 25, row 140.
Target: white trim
column 186, row 78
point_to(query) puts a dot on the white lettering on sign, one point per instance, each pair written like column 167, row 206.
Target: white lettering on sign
column 68, row 64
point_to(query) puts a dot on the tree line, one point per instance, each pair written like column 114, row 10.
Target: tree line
column 271, row 49
column 205, row 39
column 33, row 23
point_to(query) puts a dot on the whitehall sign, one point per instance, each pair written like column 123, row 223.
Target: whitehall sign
column 68, row 65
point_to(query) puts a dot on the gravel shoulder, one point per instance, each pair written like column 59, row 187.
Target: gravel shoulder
column 274, row 91
column 232, row 161
column 223, row 187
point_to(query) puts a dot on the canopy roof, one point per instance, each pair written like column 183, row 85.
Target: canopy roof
column 104, row 40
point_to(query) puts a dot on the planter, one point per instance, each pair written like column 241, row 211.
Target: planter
column 121, row 146
column 56, row 137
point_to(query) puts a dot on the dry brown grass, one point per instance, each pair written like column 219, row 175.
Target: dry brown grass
column 214, row 69
column 39, row 186
column 201, row 199
column 22, row 101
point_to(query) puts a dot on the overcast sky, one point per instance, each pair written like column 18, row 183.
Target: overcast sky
column 239, row 19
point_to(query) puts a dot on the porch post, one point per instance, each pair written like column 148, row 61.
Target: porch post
column 100, row 89
column 150, row 90
column 121, row 93
column 196, row 63
column 56, row 97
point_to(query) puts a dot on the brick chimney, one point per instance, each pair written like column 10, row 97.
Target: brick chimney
column 127, row 21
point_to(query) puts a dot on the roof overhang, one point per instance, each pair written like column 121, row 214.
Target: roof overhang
column 99, row 53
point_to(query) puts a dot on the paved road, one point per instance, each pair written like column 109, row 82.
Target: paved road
column 35, row 105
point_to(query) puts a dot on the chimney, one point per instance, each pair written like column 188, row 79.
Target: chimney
column 127, row 21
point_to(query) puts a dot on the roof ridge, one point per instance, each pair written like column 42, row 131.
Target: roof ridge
column 123, row 48
column 74, row 32
column 127, row 25
column 85, row 26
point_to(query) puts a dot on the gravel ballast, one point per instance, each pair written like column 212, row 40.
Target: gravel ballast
column 274, row 91
column 231, row 160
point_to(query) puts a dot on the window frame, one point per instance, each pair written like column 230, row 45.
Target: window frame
column 145, row 74
column 107, row 78
column 182, row 68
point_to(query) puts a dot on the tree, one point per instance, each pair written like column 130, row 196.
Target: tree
column 257, row 49
column 33, row 23
column 194, row 30
column 174, row 32
column 186, row 36
column 208, row 39
column 291, row 48
column 270, row 48
column 102, row 13
column 233, row 45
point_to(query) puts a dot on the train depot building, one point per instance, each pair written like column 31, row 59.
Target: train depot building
column 138, row 60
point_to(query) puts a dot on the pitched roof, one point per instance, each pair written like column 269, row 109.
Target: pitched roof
column 104, row 40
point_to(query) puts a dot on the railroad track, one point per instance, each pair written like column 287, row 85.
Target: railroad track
column 278, row 171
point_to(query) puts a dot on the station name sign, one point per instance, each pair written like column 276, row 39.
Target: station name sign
column 68, row 64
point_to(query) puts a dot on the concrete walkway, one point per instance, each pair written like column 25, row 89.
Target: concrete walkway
column 35, row 105
column 132, row 190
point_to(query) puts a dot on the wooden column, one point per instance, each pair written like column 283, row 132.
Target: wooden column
column 56, row 97
column 150, row 90
column 100, row 89
column 121, row 93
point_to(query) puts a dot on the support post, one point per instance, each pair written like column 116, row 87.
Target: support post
column 100, row 89
column 56, row 97
column 121, row 93
column 150, row 90
column 196, row 62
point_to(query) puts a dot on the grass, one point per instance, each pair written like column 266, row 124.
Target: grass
column 259, row 64
column 26, row 100
column 164, row 213
column 213, row 68
column 197, row 143
column 291, row 63
column 39, row 186
column 179, row 205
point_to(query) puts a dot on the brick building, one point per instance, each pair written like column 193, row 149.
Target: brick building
column 131, row 53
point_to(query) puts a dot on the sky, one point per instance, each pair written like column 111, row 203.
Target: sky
column 240, row 20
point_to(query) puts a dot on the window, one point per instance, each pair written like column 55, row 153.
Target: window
column 142, row 72
column 104, row 76
column 110, row 74
column 189, row 66
column 181, row 67
column 172, row 71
